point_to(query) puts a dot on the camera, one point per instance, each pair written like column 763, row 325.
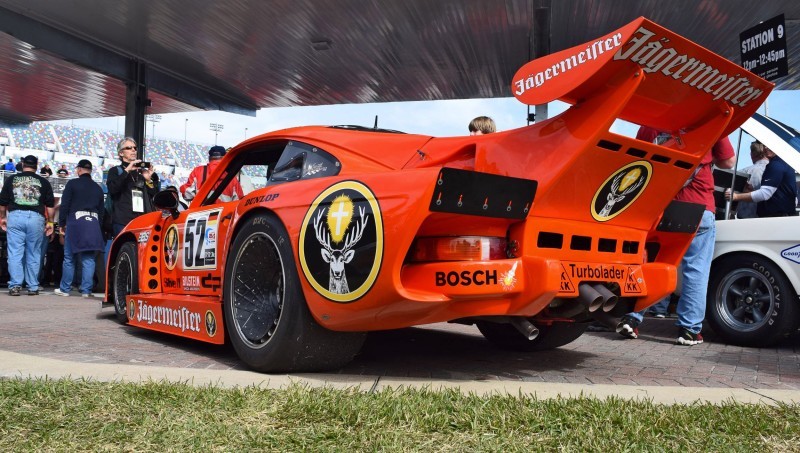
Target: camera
column 143, row 165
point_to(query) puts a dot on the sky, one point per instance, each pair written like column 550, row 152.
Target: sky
column 436, row 118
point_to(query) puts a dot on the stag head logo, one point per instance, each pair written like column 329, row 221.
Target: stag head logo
column 341, row 242
column 620, row 190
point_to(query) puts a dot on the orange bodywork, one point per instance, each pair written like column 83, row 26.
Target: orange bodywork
column 595, row 216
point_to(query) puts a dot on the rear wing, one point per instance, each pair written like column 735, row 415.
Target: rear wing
column 676, row 85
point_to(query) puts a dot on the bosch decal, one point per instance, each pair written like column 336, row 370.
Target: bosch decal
column 467, row 278
column 620, row 190
column 341, row 241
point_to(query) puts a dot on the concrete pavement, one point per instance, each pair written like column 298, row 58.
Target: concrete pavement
column 54, row 336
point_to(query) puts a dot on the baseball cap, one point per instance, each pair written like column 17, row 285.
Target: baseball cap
column 85, row 164
column 30, row 160
column 216, row 151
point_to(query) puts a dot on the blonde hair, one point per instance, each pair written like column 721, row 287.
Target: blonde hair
column 484, row 124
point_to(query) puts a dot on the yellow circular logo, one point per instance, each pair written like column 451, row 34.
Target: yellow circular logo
column 620, row 190
column 341, row 241
column 211, row 323
column 171, row 247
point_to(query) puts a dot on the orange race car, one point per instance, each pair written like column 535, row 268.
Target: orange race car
column 529, row 233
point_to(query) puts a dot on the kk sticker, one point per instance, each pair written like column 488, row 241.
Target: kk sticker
column 171, row 247
column 620, row 190
column 200, row 240
column 341, row 242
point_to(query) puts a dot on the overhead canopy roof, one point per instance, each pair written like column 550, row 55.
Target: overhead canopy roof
column 66, row 59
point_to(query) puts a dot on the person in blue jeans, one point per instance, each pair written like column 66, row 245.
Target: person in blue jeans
column 696, row 263
column 80, row 216
column 26, row 211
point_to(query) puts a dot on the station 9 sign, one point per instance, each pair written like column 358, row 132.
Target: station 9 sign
column 763, row 49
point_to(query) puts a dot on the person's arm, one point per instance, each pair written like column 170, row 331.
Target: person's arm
column 722, row 154
column 152, row 184
column 66, row 202
column 3, row 217
column 116, row 181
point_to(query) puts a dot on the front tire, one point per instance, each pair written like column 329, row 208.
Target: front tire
column 750, row 302
column 266, row 316
column 550, row 336
column 126, row 279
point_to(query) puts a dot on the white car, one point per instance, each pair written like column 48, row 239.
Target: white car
column 755, row 276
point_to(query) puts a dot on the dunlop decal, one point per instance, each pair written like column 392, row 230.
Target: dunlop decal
column 620, row 190
column 341, row 242
column 171, row 247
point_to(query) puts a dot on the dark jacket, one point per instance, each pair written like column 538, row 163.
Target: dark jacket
column 81, row 212
column 121, row 185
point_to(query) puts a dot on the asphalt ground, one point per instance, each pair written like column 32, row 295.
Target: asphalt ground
column 54, row 336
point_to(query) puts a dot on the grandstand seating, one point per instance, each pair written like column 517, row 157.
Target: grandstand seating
column 174, row 158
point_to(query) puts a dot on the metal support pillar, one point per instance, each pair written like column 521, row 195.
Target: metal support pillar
column 541, row 42
column 136, row 103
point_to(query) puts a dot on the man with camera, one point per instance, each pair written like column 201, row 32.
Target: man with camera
column 131, row 186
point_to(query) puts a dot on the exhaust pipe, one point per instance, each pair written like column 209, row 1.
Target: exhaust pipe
column 609, row 299
column 589, row 297
column 525, row 327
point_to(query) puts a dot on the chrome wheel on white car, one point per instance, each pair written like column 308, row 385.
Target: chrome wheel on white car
column 750, row 302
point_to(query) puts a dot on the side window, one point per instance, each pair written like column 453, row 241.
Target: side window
column 303, row 161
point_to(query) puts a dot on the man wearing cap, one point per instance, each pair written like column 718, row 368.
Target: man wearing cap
column 28, row 201
column 79, row 220
column 131, row 186
column 198, row 176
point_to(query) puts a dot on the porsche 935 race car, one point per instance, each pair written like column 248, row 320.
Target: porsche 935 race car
column 529, row 233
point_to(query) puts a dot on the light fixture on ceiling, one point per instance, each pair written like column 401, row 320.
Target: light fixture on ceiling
column 320, row 43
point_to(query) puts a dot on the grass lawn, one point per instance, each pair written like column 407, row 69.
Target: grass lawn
column 66, row 415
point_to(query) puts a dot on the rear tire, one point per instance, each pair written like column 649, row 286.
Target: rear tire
column 266, row 316
column 550, row 336
column 750, row 302
column 126, row 279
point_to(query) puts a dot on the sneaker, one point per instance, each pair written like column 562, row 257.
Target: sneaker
column 86, row 295
column 14, row 291
column 628, row 327
column 688, row 338
column 58, row 292
column 659, row 315
column 33, row 292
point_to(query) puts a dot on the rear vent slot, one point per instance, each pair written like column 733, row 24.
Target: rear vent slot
column 609, row 145
column 631, row 247
column 581, row 243
column 607, row 245
column 652, row 249
column 635, row 152
column 682, row 164
column 550, row 240
column 660, row 158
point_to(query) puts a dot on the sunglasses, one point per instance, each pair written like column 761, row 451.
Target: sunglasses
column 128, row 148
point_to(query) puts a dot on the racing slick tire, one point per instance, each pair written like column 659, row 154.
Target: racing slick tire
column 550, row 336
column 126, row 279
column 750, row 302
column 266, row 316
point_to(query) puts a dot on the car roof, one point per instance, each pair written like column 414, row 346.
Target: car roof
column 783, row 140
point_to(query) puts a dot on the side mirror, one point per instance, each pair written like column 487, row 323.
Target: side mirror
column 167, row 200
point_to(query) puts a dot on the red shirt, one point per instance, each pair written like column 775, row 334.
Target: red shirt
column 701, row 188
column 196, row 180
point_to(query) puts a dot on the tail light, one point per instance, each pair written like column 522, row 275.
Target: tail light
column 460, row 248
